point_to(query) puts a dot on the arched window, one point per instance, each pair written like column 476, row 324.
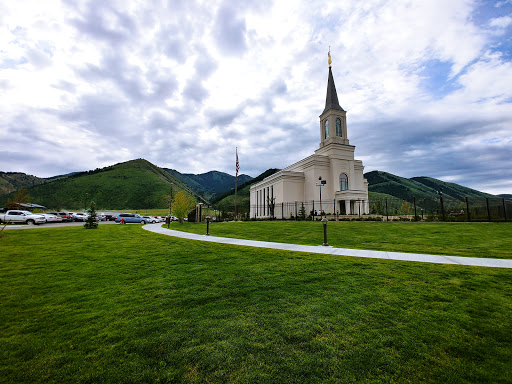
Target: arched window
column 343, row 182
column 338, row 127
column 326, row 128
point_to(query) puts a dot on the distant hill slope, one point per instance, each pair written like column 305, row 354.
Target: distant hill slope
column 451, row 189
column 12, row 181
column 506, row 195
column 418, row 187
column 135, row 184
column 209, row 184
column 381, row 185
column 243, row 193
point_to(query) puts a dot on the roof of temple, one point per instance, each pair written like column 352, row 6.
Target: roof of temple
column 331, row 100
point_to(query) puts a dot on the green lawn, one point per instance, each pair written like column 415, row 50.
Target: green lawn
column 120, row 304
column 456, row 239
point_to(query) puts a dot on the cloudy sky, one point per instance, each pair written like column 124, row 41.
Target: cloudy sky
column 427, row 85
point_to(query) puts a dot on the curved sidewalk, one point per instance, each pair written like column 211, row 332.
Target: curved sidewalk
column 438, row 259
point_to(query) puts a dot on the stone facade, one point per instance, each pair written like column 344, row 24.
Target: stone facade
column 344, row 190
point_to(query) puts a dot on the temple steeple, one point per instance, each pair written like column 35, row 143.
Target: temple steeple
column 333, row 120
column 331, row 100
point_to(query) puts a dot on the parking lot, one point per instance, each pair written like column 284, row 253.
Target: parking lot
column 52, row 225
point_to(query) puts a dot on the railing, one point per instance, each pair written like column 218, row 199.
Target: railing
column 443, row 208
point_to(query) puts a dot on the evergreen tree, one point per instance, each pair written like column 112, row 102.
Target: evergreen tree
column 302, row 212
column 92, row 219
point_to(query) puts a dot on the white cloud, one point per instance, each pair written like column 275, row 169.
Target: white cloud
column 501, row 22
column 183, row 83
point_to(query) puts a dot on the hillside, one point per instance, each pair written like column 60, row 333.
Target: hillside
column 209, row 184
column 418, row 187
column 456, row 191
column 135, row 184
column 396, row 186
column 12, row 181
column 244, row 190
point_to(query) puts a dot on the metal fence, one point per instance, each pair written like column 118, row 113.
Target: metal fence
column 387, row 209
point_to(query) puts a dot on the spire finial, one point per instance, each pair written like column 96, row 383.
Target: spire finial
column 329, row 55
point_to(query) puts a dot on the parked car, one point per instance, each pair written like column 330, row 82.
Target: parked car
column 110, row 218
column 51, row 218
column 101, row 217
column 158, row 219
column 150, row 219
column 65, row 216
column 131, row 218
column 80, row 216
column 17, row 216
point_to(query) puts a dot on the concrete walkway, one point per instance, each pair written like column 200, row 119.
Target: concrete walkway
column 472, row 261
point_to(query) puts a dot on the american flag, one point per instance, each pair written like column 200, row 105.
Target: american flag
column 237, row 164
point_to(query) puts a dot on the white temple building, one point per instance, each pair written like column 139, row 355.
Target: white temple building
column 330, row 180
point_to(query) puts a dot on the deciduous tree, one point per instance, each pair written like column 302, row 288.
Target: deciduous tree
column 182, row 205
column 21, row 196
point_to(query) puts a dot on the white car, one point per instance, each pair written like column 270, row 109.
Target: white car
column 150, row 219
column 51, row 218
column 80, row 216
column 16, row 216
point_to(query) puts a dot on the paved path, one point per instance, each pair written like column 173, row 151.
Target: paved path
column 473, row 261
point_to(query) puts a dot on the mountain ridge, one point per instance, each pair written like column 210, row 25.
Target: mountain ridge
column 137, row 184
column 209, row 184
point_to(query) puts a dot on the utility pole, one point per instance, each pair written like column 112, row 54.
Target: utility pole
column 440, row 193
column 170, row 203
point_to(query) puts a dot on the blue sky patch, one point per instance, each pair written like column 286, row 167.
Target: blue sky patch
column 436, row 78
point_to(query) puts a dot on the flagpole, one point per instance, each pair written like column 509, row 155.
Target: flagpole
column 236, row 183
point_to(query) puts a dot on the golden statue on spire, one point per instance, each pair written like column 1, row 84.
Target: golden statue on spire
column 329, row 55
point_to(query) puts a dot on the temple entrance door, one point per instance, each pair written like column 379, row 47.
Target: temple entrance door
column 342, row 207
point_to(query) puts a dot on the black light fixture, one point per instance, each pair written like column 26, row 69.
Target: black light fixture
column 324, row 221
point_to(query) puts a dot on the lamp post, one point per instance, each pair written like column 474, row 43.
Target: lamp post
column 440, row 193
column 320, row 185
column 207, row 225
column 324, row 221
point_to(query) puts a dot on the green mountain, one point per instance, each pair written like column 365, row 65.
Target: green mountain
column 243, row 191
column 209, row 184
column 418, row 187
column 12, row 181
column 135, row 184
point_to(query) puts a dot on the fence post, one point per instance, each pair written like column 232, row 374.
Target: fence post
column 296, row 213
column 415, row 216
column 504, row 209
column 387, row 218
column 467, row 208
column 314, row 213
column 282, row 210
column 334, row 207
column 488, row 209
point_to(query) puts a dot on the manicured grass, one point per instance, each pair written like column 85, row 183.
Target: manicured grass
column 492, row 240
column 120, row 304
